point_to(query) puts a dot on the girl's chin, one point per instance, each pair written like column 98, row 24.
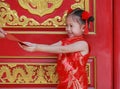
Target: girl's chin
column 70, row 36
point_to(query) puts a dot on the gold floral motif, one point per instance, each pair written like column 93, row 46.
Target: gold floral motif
column 10, row 17
column 40, row 7
column 60, row 21
column 83, row 4
column 29, row 73
column 56, row 21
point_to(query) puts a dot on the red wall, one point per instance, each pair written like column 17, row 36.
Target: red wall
column 116, row 44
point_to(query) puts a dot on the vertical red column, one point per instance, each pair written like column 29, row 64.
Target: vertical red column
column 116, row 44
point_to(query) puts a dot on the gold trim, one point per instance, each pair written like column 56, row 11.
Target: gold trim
column 42, row 32
column 36, row 26
column 88, row 65
column 36, row 57
column 37, row 32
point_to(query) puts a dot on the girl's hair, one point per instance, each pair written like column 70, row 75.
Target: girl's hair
column 78, row 13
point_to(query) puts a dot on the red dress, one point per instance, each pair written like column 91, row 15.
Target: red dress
column 71, row 68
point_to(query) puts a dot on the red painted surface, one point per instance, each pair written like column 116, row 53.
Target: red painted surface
column 102, row 44
column 116, row 45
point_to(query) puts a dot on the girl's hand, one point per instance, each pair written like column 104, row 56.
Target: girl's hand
column 2, row 33
column 28, row 46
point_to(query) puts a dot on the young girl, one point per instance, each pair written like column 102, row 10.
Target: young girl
column 73, row 51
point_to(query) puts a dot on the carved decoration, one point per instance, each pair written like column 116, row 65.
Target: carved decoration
column 10, row 17
column 60, row 21
column 30, row 73
column 27, row 73
column 56, row 21
column 83, row 4
column 40, row 7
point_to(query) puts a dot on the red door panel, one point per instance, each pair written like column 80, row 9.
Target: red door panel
column 44, row 22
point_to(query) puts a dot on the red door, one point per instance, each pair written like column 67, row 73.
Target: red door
column 43, row 22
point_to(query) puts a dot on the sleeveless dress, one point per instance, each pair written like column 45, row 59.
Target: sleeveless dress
column 71, row 68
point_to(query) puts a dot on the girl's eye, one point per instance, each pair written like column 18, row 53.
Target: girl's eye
column 70, row 25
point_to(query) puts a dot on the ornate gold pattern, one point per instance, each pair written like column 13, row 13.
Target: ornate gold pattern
column 10, row 17
column 56, row 21
column 40, row 7
column 60, row 21
column 15, row 73
column 83, row 4
column 30, row 73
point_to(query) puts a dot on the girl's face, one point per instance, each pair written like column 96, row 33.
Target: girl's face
column 73, row 27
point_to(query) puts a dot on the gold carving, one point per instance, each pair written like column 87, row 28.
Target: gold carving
column 60, row 21
column 56, row 21
column 83, row 4
column 30, row 73
column 40, row 7
column 10, row 17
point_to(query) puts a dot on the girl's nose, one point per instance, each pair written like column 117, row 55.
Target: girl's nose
column 67, row 28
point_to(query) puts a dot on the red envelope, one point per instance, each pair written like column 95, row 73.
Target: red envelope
column 13, row 38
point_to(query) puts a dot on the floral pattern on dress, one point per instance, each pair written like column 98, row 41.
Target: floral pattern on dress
column 71, row 68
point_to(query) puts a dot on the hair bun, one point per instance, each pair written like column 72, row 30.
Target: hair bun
column 91, row 19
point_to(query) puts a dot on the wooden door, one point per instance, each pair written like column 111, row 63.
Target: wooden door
column 43, row 22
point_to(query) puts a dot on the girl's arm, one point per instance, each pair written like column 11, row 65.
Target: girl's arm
column 77, row 46
column 57, row 43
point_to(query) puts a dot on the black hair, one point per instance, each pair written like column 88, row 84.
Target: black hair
column 78, row 12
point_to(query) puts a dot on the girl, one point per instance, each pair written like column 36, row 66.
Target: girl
column 73, row 51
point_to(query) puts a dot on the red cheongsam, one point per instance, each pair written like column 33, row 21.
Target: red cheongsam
column 71, row 68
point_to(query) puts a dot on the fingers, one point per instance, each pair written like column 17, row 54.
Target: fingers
column 29, row 44
column 22, row 43
column 30, row 47
column 2, row 33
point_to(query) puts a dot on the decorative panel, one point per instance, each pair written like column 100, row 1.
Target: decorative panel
column 39, row 21
column 40, row 13
column 38, row 73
